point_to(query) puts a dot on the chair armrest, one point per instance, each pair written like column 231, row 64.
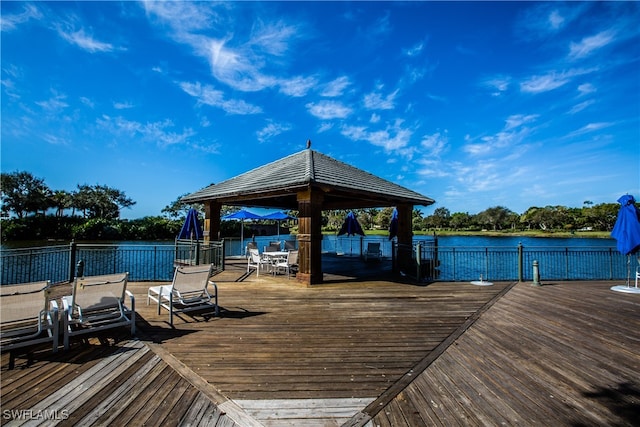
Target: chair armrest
column 132, row 299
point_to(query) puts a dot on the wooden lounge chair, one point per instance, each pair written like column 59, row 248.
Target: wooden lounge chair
column 27, row 317
column 372, row 251
column 98, row 303
column 187, row 292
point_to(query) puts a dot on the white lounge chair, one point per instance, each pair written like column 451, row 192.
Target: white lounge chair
column 98, row 303
column 187, row 292
column 373, row 251
column 27, row 317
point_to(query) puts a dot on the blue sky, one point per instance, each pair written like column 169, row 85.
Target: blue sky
column 475, row 105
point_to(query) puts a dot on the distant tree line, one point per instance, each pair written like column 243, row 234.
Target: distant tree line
column 32, row 210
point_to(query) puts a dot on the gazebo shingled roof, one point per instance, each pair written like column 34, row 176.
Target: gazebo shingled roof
column 276, row 184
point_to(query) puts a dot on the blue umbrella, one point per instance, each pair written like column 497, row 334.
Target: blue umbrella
column 351, row 226
column 242, row 215
column 191, row 227
column 627, row 227
column 278, row 216
column 627, row 233
column 393, row 226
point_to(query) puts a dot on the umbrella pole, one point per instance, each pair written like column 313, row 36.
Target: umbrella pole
column 241, row 234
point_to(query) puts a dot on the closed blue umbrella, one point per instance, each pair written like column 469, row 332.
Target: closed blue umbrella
column 393, row 226
column 191, row 227
column 242, row 215
column 627, row 233
column 351, row 226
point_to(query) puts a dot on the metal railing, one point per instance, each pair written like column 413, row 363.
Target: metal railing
column 431, row 262
column 143, row 262
column 427, row 261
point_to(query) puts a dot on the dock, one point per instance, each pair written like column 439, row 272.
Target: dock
column 362, row 349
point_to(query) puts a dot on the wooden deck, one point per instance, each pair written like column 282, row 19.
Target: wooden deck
column 358, row 351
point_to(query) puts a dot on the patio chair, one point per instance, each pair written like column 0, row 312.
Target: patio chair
column 288, row 264
column 187, row 292
column 255, row 261
column 372, row 251
column 289, row 245
column 272, row 247
column 250, row 245
column 27, row 317
column 98, row 303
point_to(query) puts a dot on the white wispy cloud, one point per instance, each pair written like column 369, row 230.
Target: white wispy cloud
column 590, row 127
column 9, row 22
column 54, row 104
column 544, row 83
column 581, row 106
column 82, row 39
column 297, row 86
column 512, row 134
column 336, row 87
column 498, row 84
column 394, row 137
column 435, row 144
column 376, row 101
column 586, row 88
column 159, row 133
column 208, row 95
column 327, row 110
column 244, row 64
column 414, row 50
column 589, row 45
column 122, row 105
column 272, row 130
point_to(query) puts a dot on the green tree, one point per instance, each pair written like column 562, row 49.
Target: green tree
column 460, row 220
column 22, row 193
column 178, row 209
column 101, row 201
column 495, row 218
column 61, row 200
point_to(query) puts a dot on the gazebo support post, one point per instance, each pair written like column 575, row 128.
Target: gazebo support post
column 310, row 236
column 405, row 238
column 211, row 227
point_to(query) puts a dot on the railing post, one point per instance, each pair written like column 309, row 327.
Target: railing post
column 520, row 263
column 418, row 260
column 536, row 273
column 72, row 259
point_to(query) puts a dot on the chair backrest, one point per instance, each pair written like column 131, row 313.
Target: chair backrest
column 252, row 245
column 373, row 247
column 289, row 245
column 272, row 248
column 254, row 255
column 192, row 277
column 97, row 292
column 292, row 258
column 23, row 301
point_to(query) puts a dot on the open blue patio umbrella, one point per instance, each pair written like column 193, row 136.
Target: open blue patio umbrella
column 242, row 215
column 627, row 233
column 393, row 225
column 191, row 228
column 278, row 216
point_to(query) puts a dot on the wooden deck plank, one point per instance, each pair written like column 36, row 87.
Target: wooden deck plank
column 545, row 355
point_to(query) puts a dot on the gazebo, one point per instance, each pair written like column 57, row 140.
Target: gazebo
column 309, row 182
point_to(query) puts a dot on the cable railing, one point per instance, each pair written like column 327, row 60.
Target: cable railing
column 424, row 260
